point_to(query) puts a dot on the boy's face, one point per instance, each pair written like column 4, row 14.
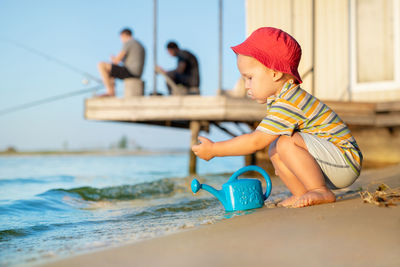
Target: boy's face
column 259, row 80
column 125, row 38
column 172, row 52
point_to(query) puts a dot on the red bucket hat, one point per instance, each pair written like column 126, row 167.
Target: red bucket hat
column 274, row 48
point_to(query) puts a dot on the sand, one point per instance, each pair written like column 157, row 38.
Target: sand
column 346, row 233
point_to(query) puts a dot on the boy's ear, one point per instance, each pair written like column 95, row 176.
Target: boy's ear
column 277, row 75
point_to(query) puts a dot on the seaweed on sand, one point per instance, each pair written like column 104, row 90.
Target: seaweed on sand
column 384, row 196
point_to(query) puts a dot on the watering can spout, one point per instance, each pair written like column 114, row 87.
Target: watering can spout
column 196, row 186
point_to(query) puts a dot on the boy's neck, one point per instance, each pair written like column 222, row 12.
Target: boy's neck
column 281, row 84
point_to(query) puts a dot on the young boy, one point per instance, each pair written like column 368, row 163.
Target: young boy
column 310, row 147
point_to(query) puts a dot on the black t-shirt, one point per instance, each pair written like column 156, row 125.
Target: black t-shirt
column 192, row 66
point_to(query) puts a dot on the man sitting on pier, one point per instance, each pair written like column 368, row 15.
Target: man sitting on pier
column 185, row 79
column 132, row 56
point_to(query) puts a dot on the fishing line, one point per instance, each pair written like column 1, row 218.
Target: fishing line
column 54, row 59
column 48, row 100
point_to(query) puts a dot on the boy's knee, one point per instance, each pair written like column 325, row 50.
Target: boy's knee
column 283, row 143
column 102, row 65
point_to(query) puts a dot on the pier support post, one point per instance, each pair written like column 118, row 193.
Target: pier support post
column 133, row 87
column 252, row 158
column 195, row 130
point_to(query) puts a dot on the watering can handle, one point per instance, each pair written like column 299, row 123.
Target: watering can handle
column 254, row 168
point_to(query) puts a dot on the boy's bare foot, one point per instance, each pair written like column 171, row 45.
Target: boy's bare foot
column 288, row 202
column 314, row 197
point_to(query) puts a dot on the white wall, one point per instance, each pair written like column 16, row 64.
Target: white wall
column 332, row 47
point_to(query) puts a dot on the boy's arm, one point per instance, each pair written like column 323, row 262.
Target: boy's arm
column 238, row 146
column 117, row 59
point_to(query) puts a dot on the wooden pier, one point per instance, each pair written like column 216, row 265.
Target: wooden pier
column 197, row 113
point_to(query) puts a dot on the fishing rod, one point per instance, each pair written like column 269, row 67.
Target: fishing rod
column 54, row 59
column 48, row 100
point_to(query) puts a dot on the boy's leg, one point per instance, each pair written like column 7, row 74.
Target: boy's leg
column 105, row 70
column 294, row 185
column 301, row 168
column 112, row 82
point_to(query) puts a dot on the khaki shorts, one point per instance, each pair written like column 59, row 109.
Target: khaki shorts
column 337, row 172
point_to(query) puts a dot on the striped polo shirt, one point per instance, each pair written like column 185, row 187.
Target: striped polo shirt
column 295, row 110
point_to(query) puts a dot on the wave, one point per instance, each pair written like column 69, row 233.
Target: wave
column 37, row 205
column 174, row 208
column 83, row 197
column 8, row 234
column 160, row 188
column 149, row 213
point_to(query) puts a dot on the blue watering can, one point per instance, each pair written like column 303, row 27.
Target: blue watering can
column 239, row 194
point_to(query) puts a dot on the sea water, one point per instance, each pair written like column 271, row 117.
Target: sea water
column 61, row 205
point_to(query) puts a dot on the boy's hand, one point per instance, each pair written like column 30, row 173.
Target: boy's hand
column 204, row 149
column 158, row 69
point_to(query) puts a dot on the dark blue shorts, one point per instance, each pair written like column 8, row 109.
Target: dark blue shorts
column 121, row 72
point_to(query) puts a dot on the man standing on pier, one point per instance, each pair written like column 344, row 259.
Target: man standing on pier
column 132, row 56
column 187, row 71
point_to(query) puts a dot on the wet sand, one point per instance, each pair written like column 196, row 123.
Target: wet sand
column 346, row 233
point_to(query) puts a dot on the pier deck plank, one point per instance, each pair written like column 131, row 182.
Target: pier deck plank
column 161, row 110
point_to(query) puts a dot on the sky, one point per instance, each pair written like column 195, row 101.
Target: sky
column 83, row 33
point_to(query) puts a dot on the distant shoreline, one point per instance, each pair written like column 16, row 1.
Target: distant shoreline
column 93, row 152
